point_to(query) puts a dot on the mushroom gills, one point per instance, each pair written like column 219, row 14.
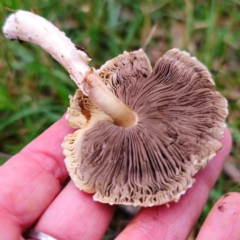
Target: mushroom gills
column 181, row 119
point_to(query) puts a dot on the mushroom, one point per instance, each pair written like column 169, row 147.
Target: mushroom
column 142, row 134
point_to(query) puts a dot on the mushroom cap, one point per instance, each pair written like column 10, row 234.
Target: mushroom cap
column 181, row 120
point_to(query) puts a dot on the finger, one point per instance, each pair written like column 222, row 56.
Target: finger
column 8, row 230
column 30, row 180
column 47, row 151
column 224, row 219
column 177, row 221
column 74, row 215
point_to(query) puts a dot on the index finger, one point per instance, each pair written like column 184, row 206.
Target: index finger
column 31, row 179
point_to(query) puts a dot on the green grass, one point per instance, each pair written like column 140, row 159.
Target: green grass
column 34, row 88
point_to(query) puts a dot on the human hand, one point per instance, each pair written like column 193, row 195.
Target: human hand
column 31, row 191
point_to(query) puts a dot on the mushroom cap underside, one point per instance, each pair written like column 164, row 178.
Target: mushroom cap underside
column 181, row 120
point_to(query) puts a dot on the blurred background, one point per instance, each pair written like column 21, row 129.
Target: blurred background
column 34, row 88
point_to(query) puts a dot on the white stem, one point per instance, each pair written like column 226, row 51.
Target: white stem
column 104, row 99
column 29, row 27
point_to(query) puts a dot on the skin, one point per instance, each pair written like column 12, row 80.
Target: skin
column 31, row 192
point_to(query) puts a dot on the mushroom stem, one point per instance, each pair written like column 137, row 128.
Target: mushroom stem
column 107, row 101
column 29, row 27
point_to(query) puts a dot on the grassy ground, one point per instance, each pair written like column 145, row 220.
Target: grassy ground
column 34, row 88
